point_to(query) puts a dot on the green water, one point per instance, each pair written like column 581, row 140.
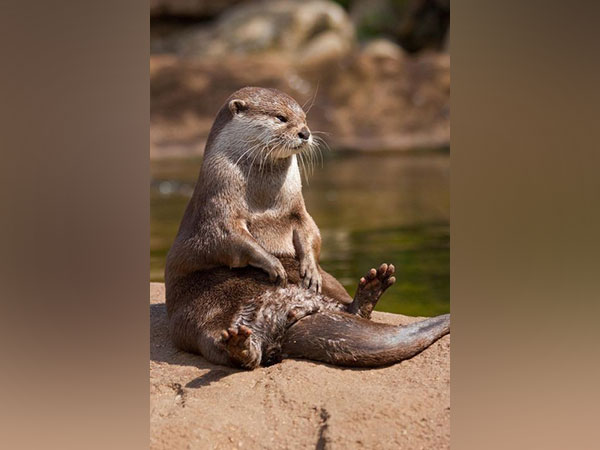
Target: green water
column 370, row 209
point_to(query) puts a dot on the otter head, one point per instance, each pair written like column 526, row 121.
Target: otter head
column 272, row 124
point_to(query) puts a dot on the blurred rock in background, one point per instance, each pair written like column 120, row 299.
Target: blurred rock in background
column 307, row 31
column 190, row 8
column 375, row 74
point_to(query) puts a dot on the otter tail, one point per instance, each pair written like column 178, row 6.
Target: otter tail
column 348, row 340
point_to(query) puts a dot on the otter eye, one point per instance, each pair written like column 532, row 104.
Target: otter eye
column 282, row 119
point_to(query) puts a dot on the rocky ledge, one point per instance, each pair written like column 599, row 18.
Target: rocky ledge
column 296, row 404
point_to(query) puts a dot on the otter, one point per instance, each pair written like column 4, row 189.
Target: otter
column 243, row 282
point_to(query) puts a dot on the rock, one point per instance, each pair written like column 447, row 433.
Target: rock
column 328, row 46
column 295, row 404
column 383, row 48
column 285, row 27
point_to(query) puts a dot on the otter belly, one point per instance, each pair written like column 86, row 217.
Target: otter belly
column 275, row 238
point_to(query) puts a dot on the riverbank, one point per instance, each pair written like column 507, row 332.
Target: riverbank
column 296, row 404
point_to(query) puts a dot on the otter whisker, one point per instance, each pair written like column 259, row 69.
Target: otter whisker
column 304, row 167
column 321, row 156
column 315, row 157
column 248, row 151
column 313, row 99
column 277, row 141
column 311, row 160
column 317, row 141
column 271, row 146
column 301, row 163
column 264, row 150
column 258, row 153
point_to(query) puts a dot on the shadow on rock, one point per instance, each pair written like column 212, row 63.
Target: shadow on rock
column 162, row 350
column 210, row 377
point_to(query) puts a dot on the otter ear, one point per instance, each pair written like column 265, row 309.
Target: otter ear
column 236, row 106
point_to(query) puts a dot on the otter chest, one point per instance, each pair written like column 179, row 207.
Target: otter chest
column 270, row 203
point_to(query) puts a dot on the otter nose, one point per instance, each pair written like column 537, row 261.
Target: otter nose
column 304, row 134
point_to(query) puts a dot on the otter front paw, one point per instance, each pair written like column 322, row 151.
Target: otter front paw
column 311, row 277
column 277, row 273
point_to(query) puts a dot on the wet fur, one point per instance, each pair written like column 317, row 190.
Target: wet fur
column 286, row 321
column 203, row 304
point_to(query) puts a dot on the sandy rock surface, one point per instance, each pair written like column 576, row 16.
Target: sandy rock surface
column 296, row 404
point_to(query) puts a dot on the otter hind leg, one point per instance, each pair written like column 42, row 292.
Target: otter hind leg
column 370, row 289
column 242, row 349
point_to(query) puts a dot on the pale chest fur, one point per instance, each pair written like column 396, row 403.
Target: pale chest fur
column 272, row 203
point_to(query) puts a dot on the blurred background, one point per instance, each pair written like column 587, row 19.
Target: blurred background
column 377, row 74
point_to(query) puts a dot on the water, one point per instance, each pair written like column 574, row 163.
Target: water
column 370, row 209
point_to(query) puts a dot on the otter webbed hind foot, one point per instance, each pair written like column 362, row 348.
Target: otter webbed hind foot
column 370, row 289
column 241, row 348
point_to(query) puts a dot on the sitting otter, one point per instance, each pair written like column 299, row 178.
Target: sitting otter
column 243, row 281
